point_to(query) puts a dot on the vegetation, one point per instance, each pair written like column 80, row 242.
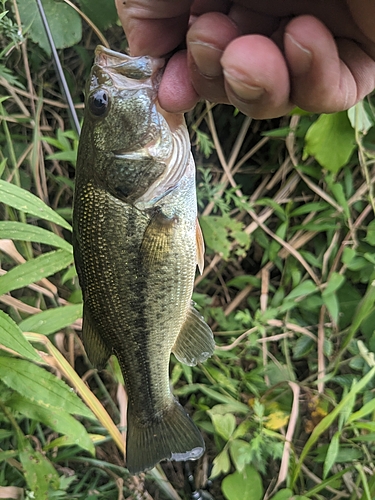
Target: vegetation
column 286, row 403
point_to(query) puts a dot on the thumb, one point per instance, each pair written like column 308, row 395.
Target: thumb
column 154, row 27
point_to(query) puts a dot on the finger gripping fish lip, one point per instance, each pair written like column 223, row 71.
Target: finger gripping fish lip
column 137, row 68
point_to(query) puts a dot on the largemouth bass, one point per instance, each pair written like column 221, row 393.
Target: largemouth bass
column 136, row 246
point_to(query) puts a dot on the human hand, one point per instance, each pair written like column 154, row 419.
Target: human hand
column 262, row 57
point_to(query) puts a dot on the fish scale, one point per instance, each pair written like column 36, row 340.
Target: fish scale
column 136, row 245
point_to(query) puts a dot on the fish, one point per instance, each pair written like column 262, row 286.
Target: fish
column 137, row 244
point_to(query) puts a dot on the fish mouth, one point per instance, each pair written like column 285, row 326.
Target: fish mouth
column 143, row 153
column 135, row 68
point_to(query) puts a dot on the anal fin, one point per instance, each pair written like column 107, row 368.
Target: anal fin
column 97, row 350
column 195, row 342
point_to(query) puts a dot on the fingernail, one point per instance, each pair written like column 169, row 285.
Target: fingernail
column 244, row 91
column 207, row 58
column 301, row 58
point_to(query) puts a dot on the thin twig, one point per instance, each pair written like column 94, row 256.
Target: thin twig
column 320, row 348
column 284, row 466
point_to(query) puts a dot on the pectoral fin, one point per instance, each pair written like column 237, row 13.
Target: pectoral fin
column 158, row 238
column 195, row 342
column 97, row 350
column 200, row 247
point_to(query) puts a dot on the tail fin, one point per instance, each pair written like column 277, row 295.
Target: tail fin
column 172, row 436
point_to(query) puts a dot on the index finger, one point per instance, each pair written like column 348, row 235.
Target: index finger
column 154, row 27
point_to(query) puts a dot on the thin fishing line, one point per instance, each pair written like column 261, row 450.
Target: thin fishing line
column 62, row 80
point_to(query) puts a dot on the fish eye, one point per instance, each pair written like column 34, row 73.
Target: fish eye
column 98, row 102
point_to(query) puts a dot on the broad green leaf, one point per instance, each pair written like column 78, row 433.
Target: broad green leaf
column 12, row 337
column 284, row 494
column 52, row 320
column 24, row 201
column 241, row 453
column 336, row 280
column 34, row 270
column 331, row 140
column 303, row 346
column 102, row 18
column 224, row 424
column 221, row 464
column 40, row 475
column 41, row 386
column 64, row 22
column 332, row 304
column 359, row 118
column 305, row 288
column 349, row 298
column 332, row 452
column 240, row 485
column 57, row 419
column 27, row 232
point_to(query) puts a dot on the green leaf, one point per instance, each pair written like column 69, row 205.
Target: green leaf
column 316, row 206
column 41, row 387
column 364, row 308
column 284, row 494
column 303, row 346
column 64, row 22
column 359, row 118
column 27, row 232
column 40, row 474
column 34, row 270
column 332, row 452
column 221, row 464
column 332, row 304
column 305, row 288
column 221, row 231
column 241, row 485
column 331, row 141
column 215, row 234
column 102, row 18
column 57, row 419
column 241, row 453
column 370, row 236
column 24, row 201
column 6, row 455
column 224, row 424
column 338, row 193
column 329, row 419
column 52, row 320
column 216, row 396
column 365, row 410
column 12, row 338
